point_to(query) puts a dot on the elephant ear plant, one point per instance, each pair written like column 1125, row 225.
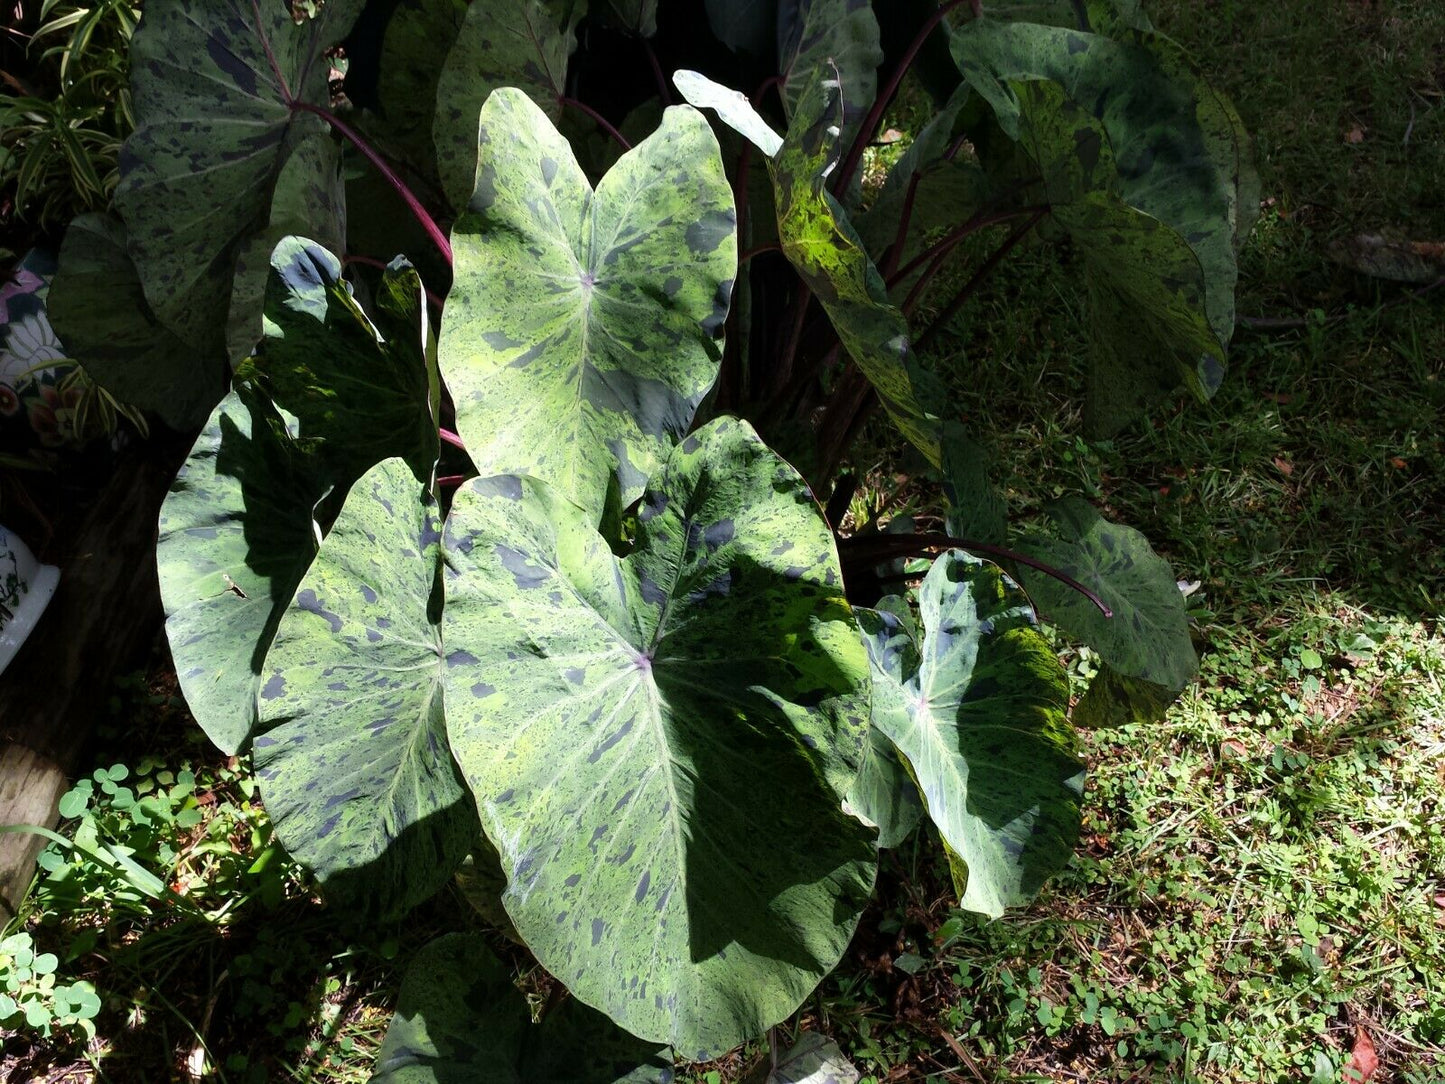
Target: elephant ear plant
column 534, row 591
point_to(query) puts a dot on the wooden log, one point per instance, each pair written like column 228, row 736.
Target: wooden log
column 101, row 623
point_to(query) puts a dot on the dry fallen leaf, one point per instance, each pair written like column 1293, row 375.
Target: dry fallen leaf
column 1355, row 135
column 1393, row 258
column 1284, row 466
column 1363, row 1062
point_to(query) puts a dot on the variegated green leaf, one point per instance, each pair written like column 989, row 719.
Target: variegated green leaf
column 236, row 535
column 461, row 1020
column 1165, row 176
column 827, row 36
column 813, row 1059
column 99, row 308
column 977, row 707
column 885, row 793
column 502, row 43
column 658, row 743
column 238, row 527
column 1148, row 636
column 828, row 254
column 351, row 745
column 213, row 85
column 583, row 329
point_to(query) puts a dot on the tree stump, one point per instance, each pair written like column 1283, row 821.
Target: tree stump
column 101, row 622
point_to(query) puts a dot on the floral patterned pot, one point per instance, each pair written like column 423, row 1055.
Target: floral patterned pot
column 25, row 590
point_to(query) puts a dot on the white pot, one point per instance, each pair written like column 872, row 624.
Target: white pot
column 25, row 590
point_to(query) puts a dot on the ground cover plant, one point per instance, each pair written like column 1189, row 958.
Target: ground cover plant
column 304, row 265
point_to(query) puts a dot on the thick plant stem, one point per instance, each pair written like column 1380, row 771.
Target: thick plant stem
column 413, row 204
column 602, row 122
column 875, row 115
column 972, row 285
column 448, row 437
column 954, row 236
column 663, row 91
column 877, row 548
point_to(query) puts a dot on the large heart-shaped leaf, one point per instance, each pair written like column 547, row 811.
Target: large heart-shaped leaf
column 110, row 328
column 515, row 43
column 977, row 706
column 214, row 85
column 828, row 254
column 1148, row 636
column 461, row 1020
column 658, row 743
column 1173, row 152
column 236, row 535
column 237, row 529
column 1146, row 285
column 813, row 1059
column 834, row 36
column 584, row 328
column 351, row 744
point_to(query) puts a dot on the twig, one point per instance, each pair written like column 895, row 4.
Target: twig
column 421, row 214
column 1292, row 323
column 876, row 548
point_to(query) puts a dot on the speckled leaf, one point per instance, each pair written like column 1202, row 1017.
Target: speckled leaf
column 461, row 1020
column 827, row 253
column 502, row 43
column 885, row 792
column 732, row 108
column 238, row 527
column 1148, row 636
column 328, row 364
column 658, row 743
column 309, row 201
column 813, row 1059
column 583, row 329
column 747, row 26
column 836, row 39
column 414, row 47
column 213, row 131
column 1115, row 700
column 351, row 746
column 236, row 535
column 1150, row 329
column 100, row 313
column 978, row 710
column 1173, row 153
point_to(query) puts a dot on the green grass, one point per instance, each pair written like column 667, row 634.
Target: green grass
column 1258, row 875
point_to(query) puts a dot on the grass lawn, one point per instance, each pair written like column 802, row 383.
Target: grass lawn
column 1261, row 878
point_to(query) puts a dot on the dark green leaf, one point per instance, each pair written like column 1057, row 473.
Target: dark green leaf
column 1114, row 700
column 976, row 509
column 977, row 707
column 351, row 746
column 99, row 310
column 635, row 16
column 1148, row 636
column 502, row 43
column 583, row 329
column 215, row 130
column 745, row 26
column 658, row 743
column 461, row 1020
